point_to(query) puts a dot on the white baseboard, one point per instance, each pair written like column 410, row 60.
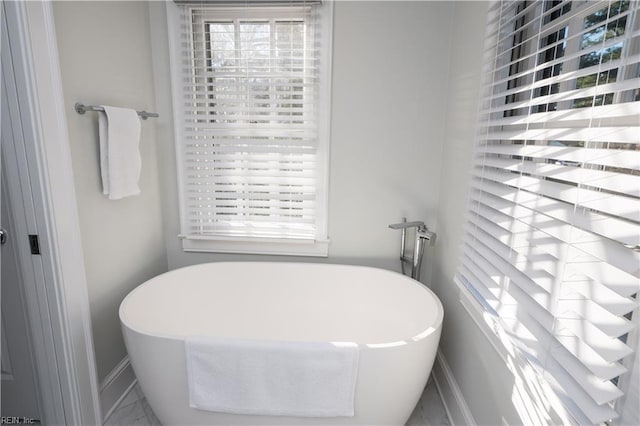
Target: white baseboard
column 454, row 403
column 115, row 387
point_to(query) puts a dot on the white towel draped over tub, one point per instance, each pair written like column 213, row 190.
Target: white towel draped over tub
column 304, row 379
column 120, row 162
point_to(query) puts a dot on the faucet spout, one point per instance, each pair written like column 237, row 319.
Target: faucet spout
column 405, row 225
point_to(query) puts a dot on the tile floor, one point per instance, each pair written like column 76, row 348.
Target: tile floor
column 429, row 411
column 135, row 411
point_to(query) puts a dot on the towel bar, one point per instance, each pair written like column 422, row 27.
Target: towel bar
column 81, row 109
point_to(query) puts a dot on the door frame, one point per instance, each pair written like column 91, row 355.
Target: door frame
column 44, row 203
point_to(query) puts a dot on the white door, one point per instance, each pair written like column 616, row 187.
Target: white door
column 18, row 389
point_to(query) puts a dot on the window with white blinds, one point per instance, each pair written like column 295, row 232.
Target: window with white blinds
column 552, row 244
column 252, row 122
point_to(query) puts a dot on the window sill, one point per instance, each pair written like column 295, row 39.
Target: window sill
column 268, row 246
column 484, row 320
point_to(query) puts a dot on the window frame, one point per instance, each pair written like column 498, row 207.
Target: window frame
column 271, row 245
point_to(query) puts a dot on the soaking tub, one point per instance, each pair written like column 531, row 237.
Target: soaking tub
column 395, row 321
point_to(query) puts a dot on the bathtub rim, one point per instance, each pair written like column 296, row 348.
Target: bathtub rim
column 429, row 330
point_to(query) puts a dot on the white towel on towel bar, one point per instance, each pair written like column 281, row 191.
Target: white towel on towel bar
column 303, row 379
column 120, row 162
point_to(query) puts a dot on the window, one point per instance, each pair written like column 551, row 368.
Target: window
column 251, row 87
column 552, row 244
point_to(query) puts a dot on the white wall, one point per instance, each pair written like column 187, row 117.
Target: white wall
column 388, row 115
column 485, row 381
column 387, row 128
column 105, row 59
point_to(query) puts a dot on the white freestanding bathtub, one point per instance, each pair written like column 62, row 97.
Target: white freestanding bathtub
column 395, row 321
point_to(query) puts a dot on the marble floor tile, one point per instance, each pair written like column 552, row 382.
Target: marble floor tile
column 430, row 410
column 135, row 411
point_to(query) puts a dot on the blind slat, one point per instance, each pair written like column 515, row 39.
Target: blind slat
column 610, row 181
column 593, row 156
column 590, row 358
column 504, row 199
column 600, row 134
column 599, row 294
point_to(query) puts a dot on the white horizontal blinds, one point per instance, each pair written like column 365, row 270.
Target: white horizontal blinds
column 250, row 147
column 555, row 198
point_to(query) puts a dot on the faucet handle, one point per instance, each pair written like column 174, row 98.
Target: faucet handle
column 424, row 234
